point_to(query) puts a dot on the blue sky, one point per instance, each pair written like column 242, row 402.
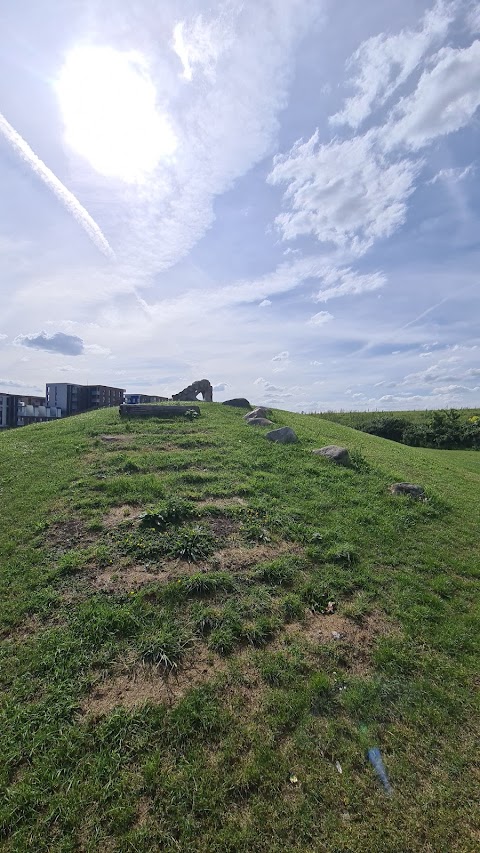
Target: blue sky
column 283, row 198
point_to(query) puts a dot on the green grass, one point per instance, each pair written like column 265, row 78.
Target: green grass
column 356, row 419
column 243, row 544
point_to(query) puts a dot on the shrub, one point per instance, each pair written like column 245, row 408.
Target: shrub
column 191, row 415
column 386, row 427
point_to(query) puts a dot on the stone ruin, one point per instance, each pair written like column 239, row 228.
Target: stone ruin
column 202, row 387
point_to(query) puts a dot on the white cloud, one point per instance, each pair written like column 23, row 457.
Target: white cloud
column 384, row 62
column 96, row 349
column 3, row 337
column 452, row 174
column 16, row 383
column 56, row 343
column 347, row 282
column 222, row 386
column 448, row 370
column 425, row 354
column 316, row 363
column 404, row 398
column 448, row 389
column 225, row 122
column 445, row 99
column 345, row 192
column 473, row 18
column 199, row 44
column 281, row 356
column 265, row 303
column 320, row 319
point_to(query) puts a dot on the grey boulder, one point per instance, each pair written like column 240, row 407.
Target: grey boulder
column 408, row 489
column 284, row 435
column 260, row 412
column 239, row 402
column 335, row 453
column 259, row 422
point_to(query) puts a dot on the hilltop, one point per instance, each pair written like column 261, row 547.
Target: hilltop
column 203, row 632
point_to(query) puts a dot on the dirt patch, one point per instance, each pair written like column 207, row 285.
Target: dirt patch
column 222, row 503
column 148, row 684
column 64, row 535
column 127, row 579
column 119, row 515
column 241, row 557
column 222, row 526
column 355, row 639
column 31, row 626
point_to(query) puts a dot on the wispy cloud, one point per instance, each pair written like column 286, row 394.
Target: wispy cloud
column 452, row 174
column 445, row 99
column 384, row 62
column 347, row 282
column 199, row 43
column 320, row 318
column 22, row 148
column 344, row 192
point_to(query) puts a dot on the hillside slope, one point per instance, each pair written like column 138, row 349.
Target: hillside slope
column 177, row 682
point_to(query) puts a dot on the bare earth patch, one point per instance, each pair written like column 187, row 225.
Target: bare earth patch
column 128, row 578
column 118, row 438
column 119, row 515
column 66, row 534
column 241, row 557
column 143, row 684
column 222, row 503
column 222, row 526
column 355, row 639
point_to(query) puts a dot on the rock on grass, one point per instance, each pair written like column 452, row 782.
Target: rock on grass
column 283, row 435
column 337, row 454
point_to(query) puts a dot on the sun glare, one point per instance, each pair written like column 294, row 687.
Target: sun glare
column 108, row 102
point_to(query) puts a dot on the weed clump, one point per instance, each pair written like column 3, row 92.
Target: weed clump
column 172, row 511
column 191, row 544
column 165, row 648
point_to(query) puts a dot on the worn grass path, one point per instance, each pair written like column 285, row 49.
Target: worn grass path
column 178, row 684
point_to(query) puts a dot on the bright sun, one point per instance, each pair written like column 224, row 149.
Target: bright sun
column 108, row 103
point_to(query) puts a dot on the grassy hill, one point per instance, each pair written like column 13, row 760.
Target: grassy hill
column 175, row 682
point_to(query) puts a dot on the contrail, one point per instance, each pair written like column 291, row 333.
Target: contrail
column 67, row 198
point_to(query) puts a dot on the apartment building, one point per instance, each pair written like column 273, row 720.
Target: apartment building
column 8, row 410
column 73, row 399
column 100, row 396
column 134, row 399
column 17, row 410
